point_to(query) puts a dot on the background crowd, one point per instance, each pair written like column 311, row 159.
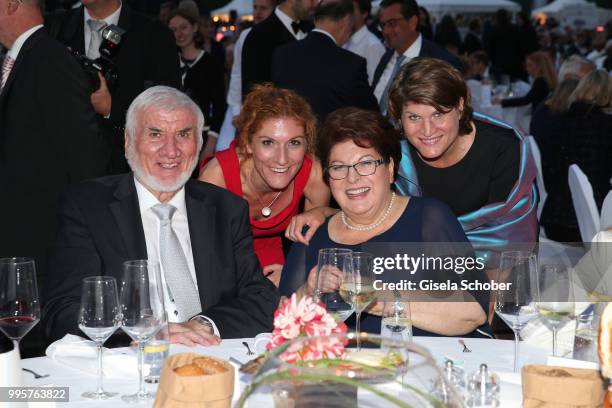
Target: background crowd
column 400, row 92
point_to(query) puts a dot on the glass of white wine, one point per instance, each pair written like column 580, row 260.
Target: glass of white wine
column 330, row 262
column 556, row 305
column 357, row 286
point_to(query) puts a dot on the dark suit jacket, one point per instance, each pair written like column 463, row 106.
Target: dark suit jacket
column 49, row 138
column 100, row 227
column 327, row 76
column 258, row 49
column 147, row 56
column 428, row 49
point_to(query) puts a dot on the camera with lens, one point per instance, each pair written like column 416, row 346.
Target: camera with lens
column 111, row 39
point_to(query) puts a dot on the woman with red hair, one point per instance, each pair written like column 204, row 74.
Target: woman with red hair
column 270, row 164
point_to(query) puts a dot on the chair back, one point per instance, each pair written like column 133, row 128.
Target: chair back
column 606, row 213
column 584, row 203
column 535, row 153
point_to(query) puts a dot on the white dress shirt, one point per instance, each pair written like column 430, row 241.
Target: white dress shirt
column 180, row 225
column 234, row 95
column 286, row 20
column 366, row 45
column 111, row 19
column 16, row 47
column 412, row 52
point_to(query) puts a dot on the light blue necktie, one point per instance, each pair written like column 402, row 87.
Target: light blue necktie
column 385, row 95
column 173, row 261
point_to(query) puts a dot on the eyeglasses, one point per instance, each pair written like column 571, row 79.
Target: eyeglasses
column 392, row 22
column 363, row 168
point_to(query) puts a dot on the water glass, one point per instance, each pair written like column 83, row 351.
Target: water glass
column 142, row 306
column 585, row 340
column 396, row 322
column 156, row 351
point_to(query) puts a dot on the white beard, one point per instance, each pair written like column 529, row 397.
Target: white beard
column 153, row 183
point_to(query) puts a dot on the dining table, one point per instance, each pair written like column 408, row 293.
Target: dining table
column 497, row 354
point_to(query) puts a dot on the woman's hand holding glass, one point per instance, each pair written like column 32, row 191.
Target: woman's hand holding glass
column 328, row 278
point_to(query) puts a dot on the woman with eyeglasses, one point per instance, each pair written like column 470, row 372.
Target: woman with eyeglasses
column 360, row 152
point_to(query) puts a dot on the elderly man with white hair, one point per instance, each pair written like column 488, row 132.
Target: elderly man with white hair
column 213, row 285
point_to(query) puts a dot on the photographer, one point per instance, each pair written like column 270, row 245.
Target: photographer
column 145, row 56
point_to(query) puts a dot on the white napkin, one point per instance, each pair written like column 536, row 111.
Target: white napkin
column 81, row 354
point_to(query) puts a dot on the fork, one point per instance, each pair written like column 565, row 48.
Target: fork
column 35, row 374
column 465, row 347
column 249, row 352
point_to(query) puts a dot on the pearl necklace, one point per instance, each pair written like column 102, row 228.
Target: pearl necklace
column 371, row 226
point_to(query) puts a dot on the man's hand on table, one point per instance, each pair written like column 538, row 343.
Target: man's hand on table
column 192, row 333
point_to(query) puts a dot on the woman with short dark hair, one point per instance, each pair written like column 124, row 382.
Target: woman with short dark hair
column 360, row 151
column 477, row 165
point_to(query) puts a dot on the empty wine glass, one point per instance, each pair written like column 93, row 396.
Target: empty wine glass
column 142, row 307
column 19, row 307
column 99, row 318
column 357, row 285
column 556, row 305
column 517, row 304
column 331, row 260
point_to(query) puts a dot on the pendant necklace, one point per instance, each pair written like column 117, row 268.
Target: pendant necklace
column 266, row 210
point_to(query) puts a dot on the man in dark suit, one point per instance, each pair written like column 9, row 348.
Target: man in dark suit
column 200, row 233
column 319, row 69
column 48, row 134
column 287, row 23
column 146, row 56
column 399, row 22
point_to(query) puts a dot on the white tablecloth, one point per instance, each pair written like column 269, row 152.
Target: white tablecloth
column 498, row 354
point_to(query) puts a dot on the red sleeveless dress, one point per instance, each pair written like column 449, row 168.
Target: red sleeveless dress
column 267, row 232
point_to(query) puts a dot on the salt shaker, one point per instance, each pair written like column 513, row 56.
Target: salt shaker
column 483, row 388
column 455, row 377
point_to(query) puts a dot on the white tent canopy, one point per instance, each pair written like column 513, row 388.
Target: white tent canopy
column 438, row 8
column 573, row 12
column 242, row 7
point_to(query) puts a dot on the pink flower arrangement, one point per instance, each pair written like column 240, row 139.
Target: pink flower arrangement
column 306, row 318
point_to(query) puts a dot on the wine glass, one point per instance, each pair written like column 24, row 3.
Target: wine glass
column 357, row 285
column 556, row 305
column 516, row 305
column 19, row 307
column 143, row 315
column 99, row 318
column 330, row 260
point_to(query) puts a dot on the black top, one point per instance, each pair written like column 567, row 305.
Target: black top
column 537, row 94
column 485, row 175
column 204, row 82
column 423, row 220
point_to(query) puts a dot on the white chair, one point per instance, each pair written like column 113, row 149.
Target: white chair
column 584, row 203
column 605, row 222
column 535, row 153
